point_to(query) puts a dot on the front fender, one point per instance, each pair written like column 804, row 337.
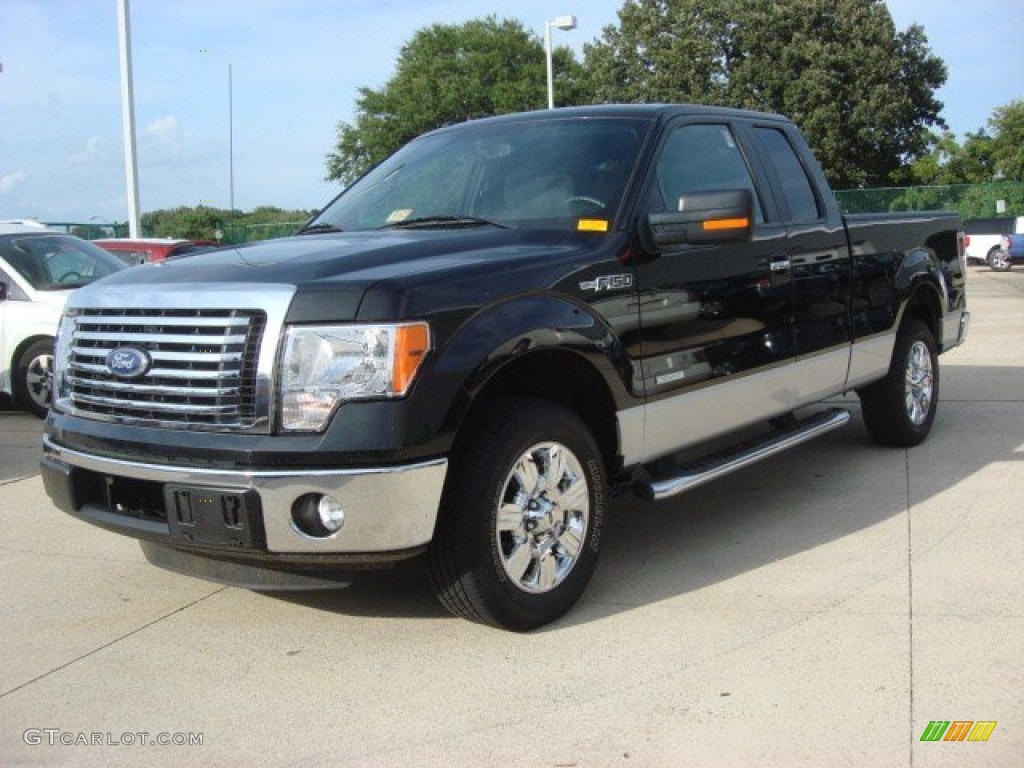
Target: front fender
column 500, row 334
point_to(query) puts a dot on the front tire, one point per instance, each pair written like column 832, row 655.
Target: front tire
column 33, row 378
column 519, row 529
column 900, row 409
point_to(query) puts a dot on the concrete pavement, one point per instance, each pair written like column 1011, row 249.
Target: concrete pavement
column 19, row 438
column 819, row 609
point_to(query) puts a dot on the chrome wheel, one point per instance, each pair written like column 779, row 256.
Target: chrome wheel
column 999, row 260
column 920, row 386
column 39, row 381
column 519, row 530
column 542, row 517
column 33, row 378
column 899, row 410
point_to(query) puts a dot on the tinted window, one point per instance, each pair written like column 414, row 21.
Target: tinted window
column 701, row 158
column 796, row 187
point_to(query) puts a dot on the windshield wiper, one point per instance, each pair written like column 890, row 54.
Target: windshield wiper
column 444, row 222
column 315, row 229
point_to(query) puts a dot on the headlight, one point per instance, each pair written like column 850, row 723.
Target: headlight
column 323, row 366
column 62, row 358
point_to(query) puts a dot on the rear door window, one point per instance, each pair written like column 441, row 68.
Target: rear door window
column 796, row 186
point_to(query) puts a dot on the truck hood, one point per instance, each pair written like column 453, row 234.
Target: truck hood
column 339, row 268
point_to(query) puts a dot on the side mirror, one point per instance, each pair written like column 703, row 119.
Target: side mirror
column 703, row 218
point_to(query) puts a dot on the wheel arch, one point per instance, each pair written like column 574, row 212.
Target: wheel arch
column 563, row 377
column 544, row 346
column 922, row 286
column 925, row 304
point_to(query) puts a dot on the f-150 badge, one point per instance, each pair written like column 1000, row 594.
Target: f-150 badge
column 607, row 283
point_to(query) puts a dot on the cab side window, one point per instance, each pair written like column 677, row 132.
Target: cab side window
column 796, row 187
column 701, row 158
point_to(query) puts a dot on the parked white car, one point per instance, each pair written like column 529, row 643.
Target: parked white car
column 983, row 237
column 38, row 271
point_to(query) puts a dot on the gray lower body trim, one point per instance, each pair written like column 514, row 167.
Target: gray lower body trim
column 870, row 359
column 954, row 329
column 386, row 509
column 667, row 426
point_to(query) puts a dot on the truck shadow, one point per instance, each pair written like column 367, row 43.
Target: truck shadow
column 813, row 495
column 401, row 592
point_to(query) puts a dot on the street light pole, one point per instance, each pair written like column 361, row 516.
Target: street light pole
column 128, row 117
column 564, row 23
column 231, row 142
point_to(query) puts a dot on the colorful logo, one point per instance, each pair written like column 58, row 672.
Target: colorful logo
column 958, row 730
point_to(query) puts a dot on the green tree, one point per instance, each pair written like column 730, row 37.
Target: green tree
column 981, row 157
column 949, row 162
column 661, row 51
column 447, row 74
column 1007, row 124
column 203, row 222
column 862, row 91
column 200, row 222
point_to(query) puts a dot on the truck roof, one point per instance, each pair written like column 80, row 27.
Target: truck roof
column 650, row 111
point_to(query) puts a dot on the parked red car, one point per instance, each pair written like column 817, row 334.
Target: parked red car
column 149, row 249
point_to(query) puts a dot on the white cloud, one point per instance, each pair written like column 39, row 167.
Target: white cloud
column 9, row 181
column 98, row 152
column 166, row 131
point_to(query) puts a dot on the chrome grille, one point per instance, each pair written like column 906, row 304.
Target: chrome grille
column 202, row 373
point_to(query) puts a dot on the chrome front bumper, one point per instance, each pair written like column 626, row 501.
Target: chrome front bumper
column 386, row 509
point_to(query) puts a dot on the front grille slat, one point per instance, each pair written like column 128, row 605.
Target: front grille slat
column 84, row 384
column 160, row 356
column 203, row 367
column 124, row 337
column 182, row 374
column 157, row 406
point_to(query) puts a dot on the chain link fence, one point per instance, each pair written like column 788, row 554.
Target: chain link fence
column 246, row 233
column 971, row 201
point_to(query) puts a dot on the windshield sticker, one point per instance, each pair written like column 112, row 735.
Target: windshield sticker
column 399, row 214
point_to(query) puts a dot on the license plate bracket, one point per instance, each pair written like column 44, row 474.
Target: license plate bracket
column 218, row 517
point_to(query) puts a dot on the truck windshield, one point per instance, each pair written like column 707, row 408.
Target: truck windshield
column 551, row 173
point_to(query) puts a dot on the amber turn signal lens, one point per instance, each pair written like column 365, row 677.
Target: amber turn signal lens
column 412, row 342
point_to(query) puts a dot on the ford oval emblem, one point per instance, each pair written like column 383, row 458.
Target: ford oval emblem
column 128, row 362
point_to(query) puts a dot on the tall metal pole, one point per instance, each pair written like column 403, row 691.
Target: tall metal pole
column 128, row 117
column 562, row 22
column 547, row 55
column 231, row 141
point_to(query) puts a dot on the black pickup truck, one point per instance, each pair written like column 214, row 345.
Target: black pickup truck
column 474, row 345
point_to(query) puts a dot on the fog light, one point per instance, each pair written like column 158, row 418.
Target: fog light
column 318, row 516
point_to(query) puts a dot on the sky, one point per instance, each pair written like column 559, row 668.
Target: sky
column 297, row 66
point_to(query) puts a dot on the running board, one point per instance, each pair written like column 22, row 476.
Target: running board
column 688, row 476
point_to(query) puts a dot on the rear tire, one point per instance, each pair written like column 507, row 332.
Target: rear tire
column 999, row 261
column 33, row 378
column 520, row 524
column 900, row 409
